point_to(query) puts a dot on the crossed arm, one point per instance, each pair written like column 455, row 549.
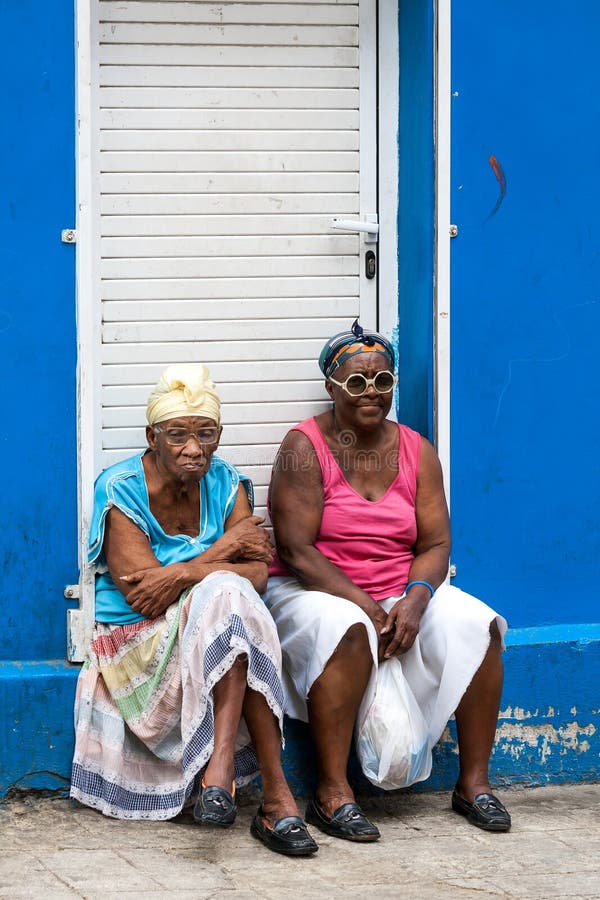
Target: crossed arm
column 296, row 512
column 150, row 587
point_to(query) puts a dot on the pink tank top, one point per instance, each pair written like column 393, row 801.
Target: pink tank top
column 371, row 542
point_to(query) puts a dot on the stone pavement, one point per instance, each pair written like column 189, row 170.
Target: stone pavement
column 55, row 850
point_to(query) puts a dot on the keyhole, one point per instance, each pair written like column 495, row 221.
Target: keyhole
column 370, row 264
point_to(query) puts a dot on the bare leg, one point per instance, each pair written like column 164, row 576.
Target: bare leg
column 333, row 704
column 476, row 720
column 233, row 698
column 228, row 697
column 266, row 740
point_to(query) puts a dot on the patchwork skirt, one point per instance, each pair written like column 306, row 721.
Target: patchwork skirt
column 452, row 641
column 144, row 709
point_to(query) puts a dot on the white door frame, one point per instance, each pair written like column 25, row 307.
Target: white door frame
column 389, row 77
column 442, row 117
column 80, row 620
column 368, row 77
column 88, row 219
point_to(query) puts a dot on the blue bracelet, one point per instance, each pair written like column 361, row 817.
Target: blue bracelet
column 426, row 583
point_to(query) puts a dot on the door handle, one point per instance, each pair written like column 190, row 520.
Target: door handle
column 369, row 227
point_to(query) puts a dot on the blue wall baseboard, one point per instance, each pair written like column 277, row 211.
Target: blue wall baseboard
column 549, row 725
column 36, row 726
column 548, row 730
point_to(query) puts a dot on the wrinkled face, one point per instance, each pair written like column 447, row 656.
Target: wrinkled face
column 184, row 445
column 370, row 409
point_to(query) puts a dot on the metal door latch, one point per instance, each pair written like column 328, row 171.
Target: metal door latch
column 369, row 226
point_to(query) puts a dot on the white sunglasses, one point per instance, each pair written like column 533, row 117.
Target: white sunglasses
column 356, row 385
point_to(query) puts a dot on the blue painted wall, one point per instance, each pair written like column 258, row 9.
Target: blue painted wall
column 525, row 308
column 38, row 525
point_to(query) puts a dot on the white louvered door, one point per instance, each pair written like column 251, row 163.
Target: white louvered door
column 224, row 137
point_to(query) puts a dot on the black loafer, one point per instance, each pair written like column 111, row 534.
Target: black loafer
column 348, row 822
column 215, row 806
column 288, row 835
column 485, row 811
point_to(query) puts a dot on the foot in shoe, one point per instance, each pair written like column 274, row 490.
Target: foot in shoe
column 485, row 811
column 278, row 801
column 215, row 806
column 287, row 835
column 347, row 822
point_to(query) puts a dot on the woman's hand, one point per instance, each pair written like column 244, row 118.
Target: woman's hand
column 402, row 625
column 379, row 619
column 245, row 540
column 154, row 589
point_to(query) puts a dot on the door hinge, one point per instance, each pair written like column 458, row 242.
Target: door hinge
column 68, row 236
column 453, row 230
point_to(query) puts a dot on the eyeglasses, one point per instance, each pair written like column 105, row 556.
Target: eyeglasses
column 178, row 437
column 357, row 385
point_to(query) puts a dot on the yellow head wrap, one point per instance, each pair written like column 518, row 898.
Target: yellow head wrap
column 184, row 390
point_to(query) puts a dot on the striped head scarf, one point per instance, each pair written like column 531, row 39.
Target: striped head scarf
column 346, row 344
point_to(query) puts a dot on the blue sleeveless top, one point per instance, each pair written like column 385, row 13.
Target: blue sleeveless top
column 124, row 485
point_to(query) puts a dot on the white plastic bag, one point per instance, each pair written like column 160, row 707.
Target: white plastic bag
column 393, row 741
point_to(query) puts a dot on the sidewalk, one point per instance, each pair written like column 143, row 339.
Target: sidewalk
column 55, row 850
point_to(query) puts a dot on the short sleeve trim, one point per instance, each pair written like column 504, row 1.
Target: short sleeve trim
column 108, row 493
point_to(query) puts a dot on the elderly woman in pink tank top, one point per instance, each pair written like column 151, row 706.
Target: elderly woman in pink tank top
column 360, row 576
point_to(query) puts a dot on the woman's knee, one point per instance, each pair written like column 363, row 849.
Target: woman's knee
column 238, row 669
column 354, row 643
column 495, row 636
column 232, row 685
column 346, row 670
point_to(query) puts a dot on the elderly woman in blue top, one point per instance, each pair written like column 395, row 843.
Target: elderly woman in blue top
column 181, row 698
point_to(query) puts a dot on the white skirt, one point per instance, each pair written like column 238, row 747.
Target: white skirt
column 451, row 644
